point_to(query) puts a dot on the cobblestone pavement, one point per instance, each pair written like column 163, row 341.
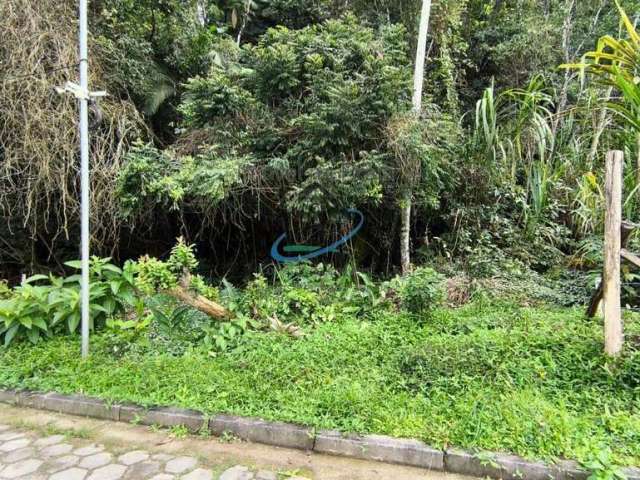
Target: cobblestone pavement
column 41, row 445
column 25, row 454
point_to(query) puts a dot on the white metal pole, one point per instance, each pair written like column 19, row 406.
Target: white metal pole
column 84, row 176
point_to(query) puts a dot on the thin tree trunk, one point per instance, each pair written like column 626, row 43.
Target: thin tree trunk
column 405, row 233
column 566, row 43
column 245, row 18
column 418, row 82
column 418, row 76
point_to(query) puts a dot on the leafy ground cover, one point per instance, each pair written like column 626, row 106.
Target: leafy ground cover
column 488, row 375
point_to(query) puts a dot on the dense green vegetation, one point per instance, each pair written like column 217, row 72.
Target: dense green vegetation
column 338, row 350
column 231, row 122
column 527, row 380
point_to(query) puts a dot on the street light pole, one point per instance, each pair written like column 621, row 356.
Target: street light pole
column 84, row 176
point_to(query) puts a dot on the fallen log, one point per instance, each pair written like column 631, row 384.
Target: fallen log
column 181, row 292
column 201, row 303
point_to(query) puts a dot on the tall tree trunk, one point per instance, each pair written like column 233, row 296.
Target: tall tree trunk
column 405, row 232
column 418, row 82
column 566, row 51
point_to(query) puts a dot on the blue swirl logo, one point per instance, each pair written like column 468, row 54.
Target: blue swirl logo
column 307, row 252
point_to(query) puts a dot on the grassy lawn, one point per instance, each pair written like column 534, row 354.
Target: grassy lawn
column 531, row 381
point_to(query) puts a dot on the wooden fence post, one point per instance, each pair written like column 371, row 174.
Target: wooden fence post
column 611, row 276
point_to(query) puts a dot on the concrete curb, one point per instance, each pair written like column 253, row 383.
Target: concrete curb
column 380, row 448
column 256, row 430
column 369, row 447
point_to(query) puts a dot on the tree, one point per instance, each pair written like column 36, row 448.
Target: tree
column 418, row 82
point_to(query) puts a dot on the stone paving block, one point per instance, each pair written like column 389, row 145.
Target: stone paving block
column 10, row 435
column 4, row 427
column 19, row 469
column 50, row 440
column 18, row 455
column 143, row 469
column 199, row 474
column 238, row 472
column 95, row 461
column 130, row 458
column 82, row 406
column 180, row 464
column 70, row 474
column 56, row 450
column 380, row 448
column 270, row 433
column 110, row 472
column 171, row 417
column 14, row 445
column 163, row 476
column 62, row 463
column 88, row 450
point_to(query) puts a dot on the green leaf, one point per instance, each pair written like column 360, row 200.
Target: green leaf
column 99, row 308
column 110, row 306
column 35, row 278
column 115, row 286
column 59, row 315
column 112, row 268
column 33, row 336
column 73, row 321
column 77, row 264
column 40, row 323
column 10, row 335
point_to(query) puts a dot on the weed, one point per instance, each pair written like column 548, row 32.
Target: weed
column 179, row 431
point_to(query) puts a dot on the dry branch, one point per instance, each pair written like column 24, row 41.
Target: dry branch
column 39, row 191
column 199, row 302
column 182, row 293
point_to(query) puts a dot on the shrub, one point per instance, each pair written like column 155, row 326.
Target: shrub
column 420, row 291
column 5, row 291
column 35, row 311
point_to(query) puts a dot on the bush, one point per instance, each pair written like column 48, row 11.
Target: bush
column 5, row 291
column 35, row 311
column 305, row 295
column 421, row 291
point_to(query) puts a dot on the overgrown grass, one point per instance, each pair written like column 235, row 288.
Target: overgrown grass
column 500, row 377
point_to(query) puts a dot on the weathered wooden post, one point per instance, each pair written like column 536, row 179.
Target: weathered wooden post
column 612, row 246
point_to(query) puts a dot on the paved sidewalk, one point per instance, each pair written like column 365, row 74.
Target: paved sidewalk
column 41, row 445
column 27, row 455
